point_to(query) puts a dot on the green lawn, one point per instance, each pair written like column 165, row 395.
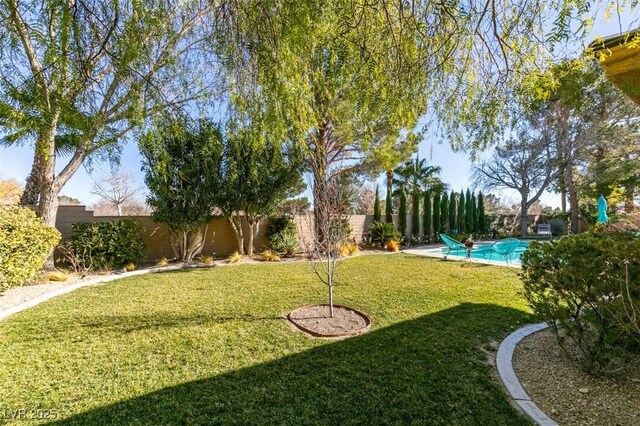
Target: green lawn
column 213, row 347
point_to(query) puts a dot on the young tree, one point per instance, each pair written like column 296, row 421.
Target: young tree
column 462, row 203
column 524, row 166
column 323, row 246
column 377, row 213
column 452, row 211
column 181, row 162
column 83, row 74
column 427, row 218
column 116, row 189
column 402, row 213
column 444, row 213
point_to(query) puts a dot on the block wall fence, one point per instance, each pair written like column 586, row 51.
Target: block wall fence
column 220, row 239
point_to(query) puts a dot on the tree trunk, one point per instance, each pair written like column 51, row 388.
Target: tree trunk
column 563, row 200
column 389, row 217
column 32, row 187
column 254, row 228
column 330, row 297
column 524, row 209
column 236, row 225
column 573, row 201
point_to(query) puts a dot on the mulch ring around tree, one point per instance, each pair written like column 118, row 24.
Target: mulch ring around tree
column 315, row 321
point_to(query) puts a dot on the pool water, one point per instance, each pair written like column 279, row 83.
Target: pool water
column 484, row 256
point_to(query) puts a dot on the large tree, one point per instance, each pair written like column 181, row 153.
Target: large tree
column 182, row 161
column 525, row 165
column 258, row 174
column 83, row 74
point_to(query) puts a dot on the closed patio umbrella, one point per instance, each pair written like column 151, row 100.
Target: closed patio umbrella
column 602, row 210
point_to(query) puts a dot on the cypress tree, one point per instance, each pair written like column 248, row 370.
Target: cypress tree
column 426, row 218
column 377, row 214
column 468, row 212
column 415, row 216
column 460, row 216
column 474, row 205
column 388, row 208
column 436, row 215
column 402, row 213
column 444, row 213
column 482, row 219
column 452, row 211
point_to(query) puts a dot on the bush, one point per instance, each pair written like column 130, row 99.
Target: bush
column 558, row 227
column 106, row 245
column 25, row 243
column 382, row 232
column 587, row 287
column 282, row 235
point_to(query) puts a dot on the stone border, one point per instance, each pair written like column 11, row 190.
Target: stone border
column 508, row 376
column 331, row 336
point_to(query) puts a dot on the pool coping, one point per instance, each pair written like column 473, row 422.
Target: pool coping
column 436, row 252
column 504, row 364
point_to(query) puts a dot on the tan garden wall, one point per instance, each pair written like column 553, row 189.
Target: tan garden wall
column 220, row 239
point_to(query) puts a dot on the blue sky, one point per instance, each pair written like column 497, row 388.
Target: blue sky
column 15, row 162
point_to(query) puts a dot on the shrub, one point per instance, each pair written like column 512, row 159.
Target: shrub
column 270, row 256
column 587, row 287
column 235, row 257
column 558, row 227
column 282, row 235
column 348, row 249
column 382, row 232
column 207, row 260
column 107, row 245
column 392, row 245
column 162, row 262
column 25, row 243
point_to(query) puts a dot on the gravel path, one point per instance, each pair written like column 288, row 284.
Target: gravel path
column 17, row 295
column 568, row 395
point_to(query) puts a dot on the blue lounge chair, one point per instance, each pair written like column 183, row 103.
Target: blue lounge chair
column 504, row 248
column 451, row 244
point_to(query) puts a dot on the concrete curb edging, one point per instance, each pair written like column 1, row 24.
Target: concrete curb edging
column 510, row 380
column 82, row 283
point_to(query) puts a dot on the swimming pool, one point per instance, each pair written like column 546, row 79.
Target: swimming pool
column 480, row 253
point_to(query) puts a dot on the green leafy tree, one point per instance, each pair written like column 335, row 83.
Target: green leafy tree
column 258, row 174
column 181, row 160
column 444, row 213
column 427, row 217
column 460, row 217
column 468, row 212
column 82, row 75
column 388, row 208
column 474, row 212
column 415, row 215
column 377, row 213
column 452, row 211
column 482, row 217
column 436, row 215
column 402, row 213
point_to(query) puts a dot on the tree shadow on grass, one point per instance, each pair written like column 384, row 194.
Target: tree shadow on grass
column 430, row 370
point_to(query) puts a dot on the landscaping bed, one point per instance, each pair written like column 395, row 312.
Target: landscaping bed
column 212, row 346
column 570, row 396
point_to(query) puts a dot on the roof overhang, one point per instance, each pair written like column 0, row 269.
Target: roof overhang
column 620, row 57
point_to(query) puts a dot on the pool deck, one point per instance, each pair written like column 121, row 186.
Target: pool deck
column 435, row 250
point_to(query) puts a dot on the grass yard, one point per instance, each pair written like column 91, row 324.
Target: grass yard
column 213, row 347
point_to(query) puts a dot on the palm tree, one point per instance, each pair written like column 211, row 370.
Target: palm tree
column 416, row 176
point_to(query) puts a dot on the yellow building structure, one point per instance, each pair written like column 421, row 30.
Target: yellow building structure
column 620, row 57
